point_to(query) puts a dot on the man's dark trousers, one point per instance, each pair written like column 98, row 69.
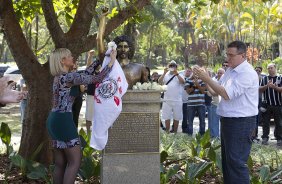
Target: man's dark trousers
column 185, row 118
column 236, row 142
column 277, row 113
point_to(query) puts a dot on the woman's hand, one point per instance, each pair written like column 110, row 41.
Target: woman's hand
column 113, row 56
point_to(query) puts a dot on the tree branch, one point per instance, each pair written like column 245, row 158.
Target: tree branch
column 112, row 24
column 40, row 48
column 124, row 14
column 15, row 38
column 82, row 20
column 53, row 25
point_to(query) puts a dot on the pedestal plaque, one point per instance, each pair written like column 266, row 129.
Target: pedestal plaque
column 132, row 152
column 134, row 133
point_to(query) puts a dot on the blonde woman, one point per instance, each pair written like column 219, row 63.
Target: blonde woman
column 60, row 124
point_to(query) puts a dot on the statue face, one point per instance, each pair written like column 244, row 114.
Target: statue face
column 123, row 50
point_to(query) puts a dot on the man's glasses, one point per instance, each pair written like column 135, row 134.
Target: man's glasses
column 225, row 65
column 258, row 71
column 232, row 55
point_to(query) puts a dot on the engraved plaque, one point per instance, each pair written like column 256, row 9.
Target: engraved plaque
column 134, row 132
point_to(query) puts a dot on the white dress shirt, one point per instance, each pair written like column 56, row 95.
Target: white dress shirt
column 242, row 86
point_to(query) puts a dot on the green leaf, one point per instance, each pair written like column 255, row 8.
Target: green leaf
column 18, row 161
column 172, row 171
column 276, row 174
column 250, row 162
column 89, row 167
column 113, row 13
column 255, row 180
column 278, row 181
column 215, row 1
column 83, row 134
column 176, row 1
column 219, row 162
column 35, row 153
column 212, row 154
column 193, row 150
column 37, row 170
column 164, row 156
column 197, row 170
column 264, row 173
column 69, row 19
column 5, row 133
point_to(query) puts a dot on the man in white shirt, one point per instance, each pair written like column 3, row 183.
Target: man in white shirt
column 172, row 103
column 238, row 108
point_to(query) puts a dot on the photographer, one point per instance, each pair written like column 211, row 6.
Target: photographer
column 196, row 102
column 172, row 102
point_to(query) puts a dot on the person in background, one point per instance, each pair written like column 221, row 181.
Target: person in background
column 196, row 90
column 213, row 122
column 149, row 73
column 60, row 124
column 172, row 103
column 271, row 87
column 188, row 73
column 77, row 104
column 23, row 103
column 258, row 69
column 238, row 108
column 155, row 77
column 225, row 65
column 90, row 95
column 7, row 93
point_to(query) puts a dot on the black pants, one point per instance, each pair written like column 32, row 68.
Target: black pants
column 76, row 106
column 277, row 113
column 185, row 118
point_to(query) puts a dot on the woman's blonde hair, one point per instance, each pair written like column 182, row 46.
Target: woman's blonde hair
column 56, row 67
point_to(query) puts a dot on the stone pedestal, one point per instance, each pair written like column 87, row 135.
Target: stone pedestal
column 132, row 152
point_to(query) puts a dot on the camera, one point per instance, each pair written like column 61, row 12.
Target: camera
column 190, row 85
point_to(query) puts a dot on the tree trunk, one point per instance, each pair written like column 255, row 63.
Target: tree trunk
column 36, row 34
column 34, row 130
column 131, row 32
column 2, row 46
column 148, row 60
column 37, row 78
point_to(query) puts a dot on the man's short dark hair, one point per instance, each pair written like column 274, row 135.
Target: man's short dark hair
column 224, row 62
column 239, row 45
column 124, row 38
column 258, row 68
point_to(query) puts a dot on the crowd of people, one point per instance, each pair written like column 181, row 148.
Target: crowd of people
column 237, row 98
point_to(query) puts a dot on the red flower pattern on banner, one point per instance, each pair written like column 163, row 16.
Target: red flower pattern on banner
column 97, row 99
column 117, row 101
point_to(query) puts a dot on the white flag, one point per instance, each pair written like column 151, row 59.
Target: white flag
column 107, row 103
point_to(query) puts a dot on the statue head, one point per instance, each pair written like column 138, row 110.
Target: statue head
column 125, row 47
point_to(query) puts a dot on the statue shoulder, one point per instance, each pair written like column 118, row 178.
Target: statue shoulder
column 136, row 65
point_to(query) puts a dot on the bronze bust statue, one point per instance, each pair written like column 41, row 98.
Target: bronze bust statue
column 134, row 72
